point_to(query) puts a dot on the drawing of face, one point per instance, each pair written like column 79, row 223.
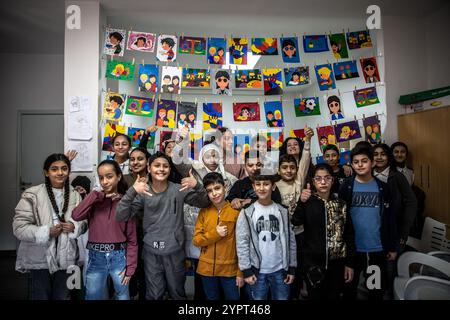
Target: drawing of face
column 269, row 116
column 152, row 79
column 277, row 114
column 369, row 129
column 165, row 46
column 323, row 141
column 143, row 77
column 295, row 78
column 324, row 73
column 335, row 48
column 220, row 52
column 191, row 117
column 289, row 50
column 140, row 43
column 369, row 70
column 222, row 83
column 345, row 132
column 376, row 128
column 162, row 113
column 166, row 80
column 334, row 107
column 175, row 81
column 245, row 113
column 182, row 116
column 114, row 41
column 171, row 114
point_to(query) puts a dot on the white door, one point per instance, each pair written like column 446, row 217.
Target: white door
column 40, row 134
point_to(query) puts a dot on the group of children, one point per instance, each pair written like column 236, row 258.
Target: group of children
column 250, row 233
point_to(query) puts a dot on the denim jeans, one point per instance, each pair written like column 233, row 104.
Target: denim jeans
column 100, row 265
column 275, row 281
column 46, row 286
column 212, row 286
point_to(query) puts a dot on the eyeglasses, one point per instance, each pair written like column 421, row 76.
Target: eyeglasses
column 325, row 179
column 369, row 68
column 222, row 80
column 290, row 48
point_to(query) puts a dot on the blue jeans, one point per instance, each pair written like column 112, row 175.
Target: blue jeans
column 101, row 264
column 212, row 285
column 275, row 281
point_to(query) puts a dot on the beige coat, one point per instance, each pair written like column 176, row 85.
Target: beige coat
column 31, row 225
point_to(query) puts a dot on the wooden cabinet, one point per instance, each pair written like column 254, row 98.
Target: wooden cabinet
column 427, row 134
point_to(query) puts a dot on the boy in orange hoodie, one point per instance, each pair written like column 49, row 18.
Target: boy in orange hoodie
column 215, row 234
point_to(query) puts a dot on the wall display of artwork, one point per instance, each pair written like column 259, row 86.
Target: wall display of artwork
column 135, row 135
column 370, row 69
column 187, row 114
column 246, row 111
column 221, row 82
column 325, row 77
column 273, row 82
column 345, row 70
column 138, row 106
column 111, row 129
column 372, row 129
column 171, row 80
column 141, row 41
column 216, row 50
column 326, row 136
column 192, row 45
column 334, row 105
column 238, row 50
column 315, row 43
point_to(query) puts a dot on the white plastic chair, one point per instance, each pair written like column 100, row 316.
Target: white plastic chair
column 409, row 258
column 433, row 237
column 427, row 288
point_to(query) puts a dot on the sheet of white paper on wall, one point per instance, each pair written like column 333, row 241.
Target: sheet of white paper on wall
column 79, row 118
column 83, row 160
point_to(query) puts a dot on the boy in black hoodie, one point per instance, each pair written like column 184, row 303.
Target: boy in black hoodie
column 374, row 222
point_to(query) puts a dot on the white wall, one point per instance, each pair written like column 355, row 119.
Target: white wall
column 30, row 82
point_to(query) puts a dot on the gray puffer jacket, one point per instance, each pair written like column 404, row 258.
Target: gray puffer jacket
column 31, row 225
column 247, row 242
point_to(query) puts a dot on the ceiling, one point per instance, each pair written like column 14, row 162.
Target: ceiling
column 37, row 27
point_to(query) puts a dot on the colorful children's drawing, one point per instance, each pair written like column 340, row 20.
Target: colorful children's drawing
column 113, row 106
column 111, row 129
column 167, row 48
column 372, row 129
column 171, row 80
column 347, row 131
column 212, row 116
column 326, row 136
column 289, row 49
column 196, row 78
column 296, row 76
column 238, row 50
column 241, row 145
column 216, row 50
column 135, row 135
column 164, row 136
column 148, row 78
column 221, row 82
column 165, row 114
column 114, row 42
column 370, row 69
column 338, row 46
column 325, row 77
column 273, row 82
column 345, row 70
column 141, row 41
column 265, row 46
column 274, row 114
column 196, row 143
column 246, row 111
column 334, row 106
column 308, row 106
column 192, row 45
column 344, row 158
column 120, row 70
column 315, row 43
column 245, row 79
column 187, row 114
column 297, row 133
column 274, row 138
column 359, row 39
column 366, row 97
column 138, row 106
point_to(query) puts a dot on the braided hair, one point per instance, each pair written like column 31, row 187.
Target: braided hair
column 48, row 185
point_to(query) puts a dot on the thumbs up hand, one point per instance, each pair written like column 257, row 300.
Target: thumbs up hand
column 306, row 193
column 308, row 133
column 188, row 182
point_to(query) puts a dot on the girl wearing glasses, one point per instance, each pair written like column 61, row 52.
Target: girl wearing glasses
column 328, row 237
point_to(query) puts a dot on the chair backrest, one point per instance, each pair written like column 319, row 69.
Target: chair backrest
column 434, row 236
column 427, row 288
column 410, row 257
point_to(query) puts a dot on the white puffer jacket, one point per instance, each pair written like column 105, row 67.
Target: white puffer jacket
column 31, row 225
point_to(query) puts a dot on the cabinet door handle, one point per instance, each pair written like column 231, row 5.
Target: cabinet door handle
column 421, row 180
column 428, row 174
